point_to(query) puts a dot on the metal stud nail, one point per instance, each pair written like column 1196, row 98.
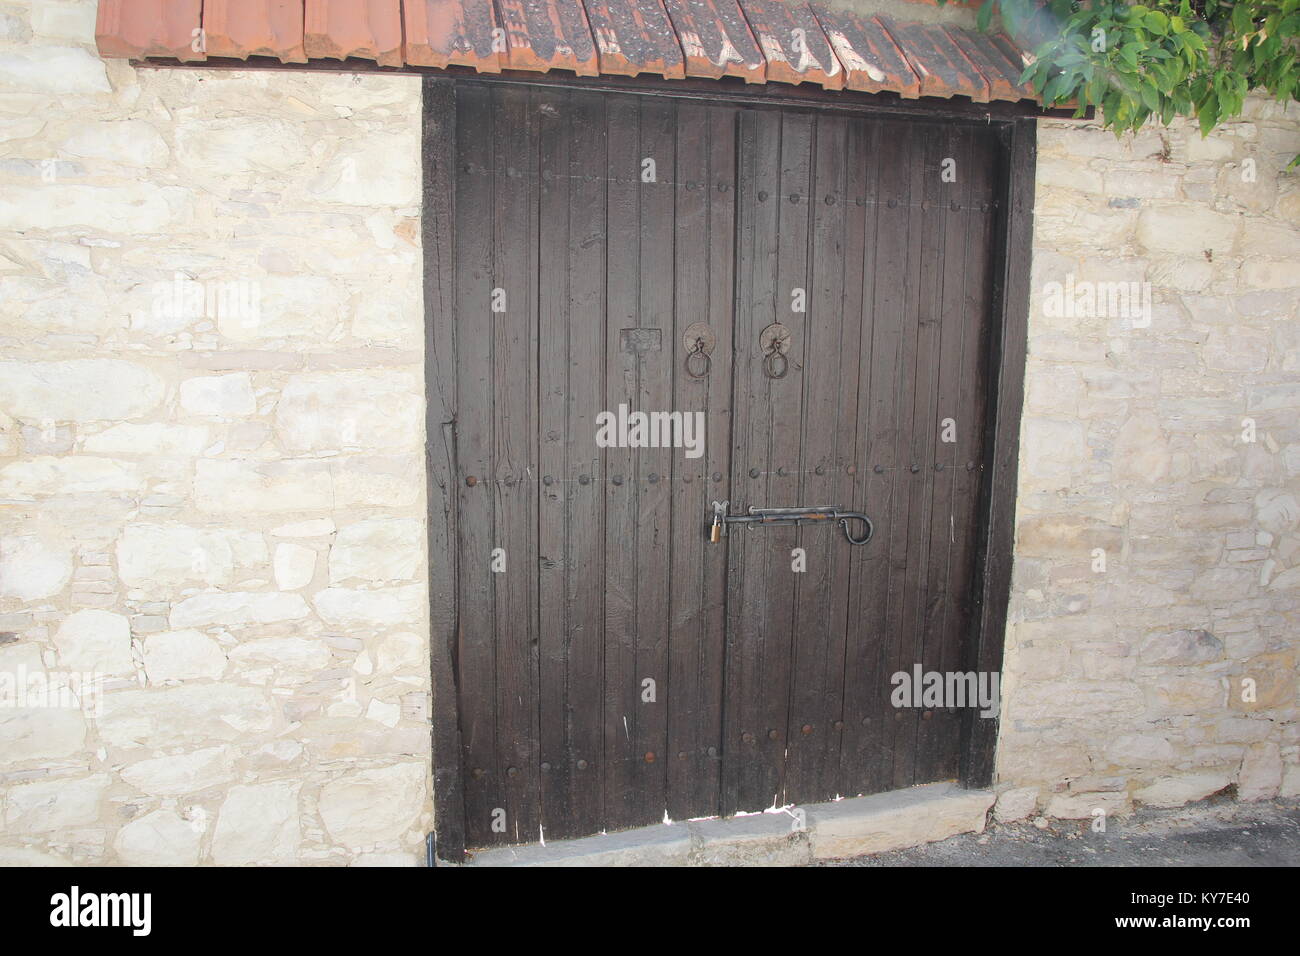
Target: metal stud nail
column 772, row 735
column 794, row 197
column 898, row 715
column 681, row 755
column 915, row 469
column 852, row 469
column 830, row 200
column 582, row 765
column 970, row 466
column 650, row 756
column 688, row 478
column 654, row 478
column 879, row 469
column 584, row 479
column 893, row 203
column 753, row 472
column 838, row 725
column 762, row 195
column 747, row 737
column 512, row 771
column 478, row 773
column 781, row 471
column 713, row 751
column 926, row 715
column 938, row 466
column 547, row 479
column 510, row 480
column 618, row 479
column 806, row 729
column 820, row 469
column 717, row 476
column 471, row 480
column 545, row 765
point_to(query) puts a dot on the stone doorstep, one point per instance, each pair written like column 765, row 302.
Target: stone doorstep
column 844, row 828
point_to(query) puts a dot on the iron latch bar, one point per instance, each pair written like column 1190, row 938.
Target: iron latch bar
column 760, row 517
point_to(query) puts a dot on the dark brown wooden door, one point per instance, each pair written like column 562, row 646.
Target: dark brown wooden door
column 613, row 666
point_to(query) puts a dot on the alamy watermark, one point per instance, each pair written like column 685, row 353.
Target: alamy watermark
column 938, row 689
column 1073, row 299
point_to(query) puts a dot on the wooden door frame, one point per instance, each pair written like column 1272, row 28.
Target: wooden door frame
column 1017, row 135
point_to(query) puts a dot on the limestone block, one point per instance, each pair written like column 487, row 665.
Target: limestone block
column 891, row 821
column 295, row 566
column 95, row 641
column 1014, row 805
column 366, row 807
column 160, row 838
column 373, row 408
column 1174, row 791
column 182, row 655
column 235, row 608
column 220, row 396
column 377, row 549
column 242, row 486
column 78, row 390
column 54, row 804
column 1083, row 806
column 183, row 714
column 1260, row 777
column 258, row 824
column 33, row 566
column 349, row 607
column 181, row 774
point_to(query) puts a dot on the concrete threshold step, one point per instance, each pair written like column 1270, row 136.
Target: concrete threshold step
column 821, row 831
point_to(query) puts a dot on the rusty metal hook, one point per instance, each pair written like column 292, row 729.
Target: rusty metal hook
column 700, row 349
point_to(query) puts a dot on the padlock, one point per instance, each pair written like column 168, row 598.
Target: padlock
column 715, row 533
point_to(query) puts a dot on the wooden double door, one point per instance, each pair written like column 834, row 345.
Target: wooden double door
column 613, row 666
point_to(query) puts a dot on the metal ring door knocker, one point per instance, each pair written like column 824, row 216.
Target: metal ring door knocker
column 774, row 341
column 699, row 341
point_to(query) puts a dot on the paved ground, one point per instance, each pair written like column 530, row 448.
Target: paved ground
column 1215, row 832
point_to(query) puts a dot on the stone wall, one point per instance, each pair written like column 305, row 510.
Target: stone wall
column 211, row 423
column 211, row 394
column 1158, row 533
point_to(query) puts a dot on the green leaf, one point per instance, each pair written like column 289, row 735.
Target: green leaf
column 985, row 15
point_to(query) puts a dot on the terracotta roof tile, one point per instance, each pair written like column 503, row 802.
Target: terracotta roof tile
column 445, row 34
column 634, row 36
column 370, row 29
column 872, row 63
column 790, row 37
column 716, row 41
column 144, row 28
column 997, row 60
column 244, row 28
column 942, row 67
column 545, row 35
column 758, row 40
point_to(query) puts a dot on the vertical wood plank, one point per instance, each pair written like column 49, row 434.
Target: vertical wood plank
column 554, row 493
column 818, row 622
column 514, row 478
column 1010, row 311
column 654, row 467
column 438, row 230
column 622, row 691
column 476, row 590
column 585, row 593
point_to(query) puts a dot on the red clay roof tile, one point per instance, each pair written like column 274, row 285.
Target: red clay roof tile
column 370, row 29
column 144, row 28
column 443, row 34
column 244, row 28
column 757, row 40
column 545, row 35
column 939, row 63
column 716, row 41
column 635, row 36
column 790, row 37
column 872, row 63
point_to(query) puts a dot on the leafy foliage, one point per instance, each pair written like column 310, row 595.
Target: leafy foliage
column 1158, row 59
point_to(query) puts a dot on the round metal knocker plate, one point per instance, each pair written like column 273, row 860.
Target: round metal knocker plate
column 695, row 335
column 775, row 338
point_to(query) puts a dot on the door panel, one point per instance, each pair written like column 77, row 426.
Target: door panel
column 621, row 667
